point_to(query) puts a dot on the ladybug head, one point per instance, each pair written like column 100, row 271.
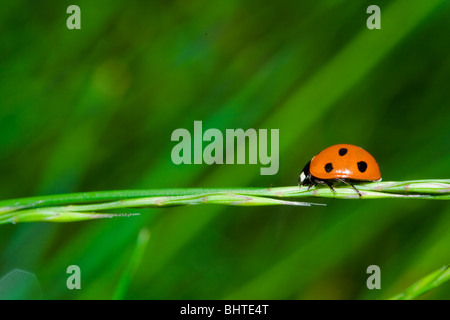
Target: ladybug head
column 305, row 177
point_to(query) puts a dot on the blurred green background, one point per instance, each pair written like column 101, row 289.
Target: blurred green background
column 94, row 109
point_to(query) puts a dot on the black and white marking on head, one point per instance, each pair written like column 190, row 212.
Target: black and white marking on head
column 302, row 177
column 305, row 175
column 328, row 167
column 343, row 151
column 362, row 166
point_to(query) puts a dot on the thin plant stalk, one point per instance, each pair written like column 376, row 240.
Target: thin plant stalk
column 88, row 205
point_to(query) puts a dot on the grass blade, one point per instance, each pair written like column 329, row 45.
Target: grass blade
column 135, row 260
column 425, row 284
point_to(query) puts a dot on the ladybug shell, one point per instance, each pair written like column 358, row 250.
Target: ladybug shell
column 345, row 161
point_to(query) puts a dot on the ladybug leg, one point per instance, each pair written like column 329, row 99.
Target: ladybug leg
column 330, row 184
column 351, row 185
column 359, row 193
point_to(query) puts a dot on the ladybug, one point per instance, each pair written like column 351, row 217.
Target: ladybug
column 344, row 163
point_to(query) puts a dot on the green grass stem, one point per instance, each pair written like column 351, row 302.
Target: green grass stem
column 85, row 206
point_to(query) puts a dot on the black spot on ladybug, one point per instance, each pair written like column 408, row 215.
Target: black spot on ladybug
column 362, row 166
column 343, row 151
column 328, row 167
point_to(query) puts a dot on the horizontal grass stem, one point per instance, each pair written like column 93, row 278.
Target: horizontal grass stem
column 85, row 206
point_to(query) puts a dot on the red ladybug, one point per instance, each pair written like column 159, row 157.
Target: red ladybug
column 342, row 162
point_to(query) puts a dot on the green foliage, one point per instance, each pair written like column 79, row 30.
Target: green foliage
column 425, row 284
